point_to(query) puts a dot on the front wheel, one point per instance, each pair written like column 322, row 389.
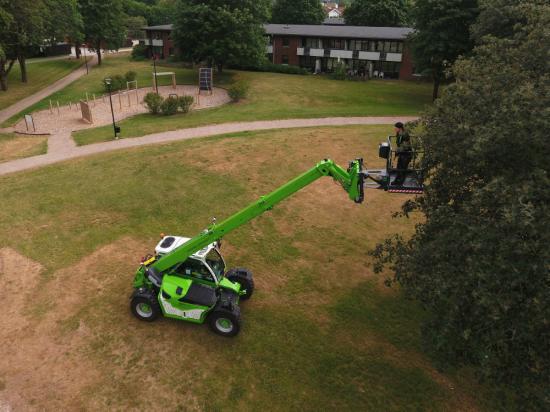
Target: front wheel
column 145, row 308
column 225, row 323
column 244, row 278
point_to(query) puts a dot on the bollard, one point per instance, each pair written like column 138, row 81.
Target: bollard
column 51, row 107
column 129, row 101
column 119, row 101
column 58, row 107
column 94, row 98
column 70, row 106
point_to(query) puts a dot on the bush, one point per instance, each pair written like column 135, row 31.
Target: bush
column 238, row 91
column 185, row 102
column 117, row 82
column 153, row 102
column 169, row 106
column 139, row 52
column 130, row 76
column 340, row 72
column 267, row 66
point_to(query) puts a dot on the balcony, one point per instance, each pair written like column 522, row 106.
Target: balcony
column 154, row 42
column 394, row 57
column 342, row 54
column 269, row 49
column 369, row 55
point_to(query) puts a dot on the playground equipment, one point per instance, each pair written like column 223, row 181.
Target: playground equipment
column 385, row 178
column 206, row 80
column 187, row 279
column 171, row 74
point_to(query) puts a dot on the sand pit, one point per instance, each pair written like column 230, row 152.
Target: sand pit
column 125, row 104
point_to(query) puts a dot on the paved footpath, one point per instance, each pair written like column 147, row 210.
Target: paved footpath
column 61, row 146
column 12, row 110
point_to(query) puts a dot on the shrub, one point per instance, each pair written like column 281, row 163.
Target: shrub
column 185, row 102
column 153, row 102
column 169, row 106
column 238, row 91
column 117, row 82
column 130, row 76
column 139, row 52
column 340, row 72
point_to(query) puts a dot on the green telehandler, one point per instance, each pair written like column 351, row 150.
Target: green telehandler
column 187, row 278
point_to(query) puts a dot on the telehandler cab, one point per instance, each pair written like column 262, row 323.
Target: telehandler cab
column 187, row 278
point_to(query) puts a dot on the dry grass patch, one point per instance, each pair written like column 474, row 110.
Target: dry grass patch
column 14, row 146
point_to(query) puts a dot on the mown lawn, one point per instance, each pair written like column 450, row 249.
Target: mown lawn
column 320, row 333
column 272, row 96
column 41, row 74
column 13, row 146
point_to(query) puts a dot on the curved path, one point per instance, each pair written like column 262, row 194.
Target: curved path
column 62, row 147
column 15, row 108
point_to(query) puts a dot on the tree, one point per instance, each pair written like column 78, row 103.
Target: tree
column 442, row 34
column 103, row 24
column 25, row 30
column 221, row 32
column 64, row 22
column 378, row 13
column 6, row 63
column 297, row 12
column 479, row 262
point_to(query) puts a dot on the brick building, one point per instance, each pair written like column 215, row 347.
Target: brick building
column 159, row 40
column 321, row 47
column 363, row 50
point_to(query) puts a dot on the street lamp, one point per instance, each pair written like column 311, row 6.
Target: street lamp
column 155, row 70
column 85, row 59
column 116, row 129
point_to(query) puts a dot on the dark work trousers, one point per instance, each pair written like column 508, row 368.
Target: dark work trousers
column 403, row 160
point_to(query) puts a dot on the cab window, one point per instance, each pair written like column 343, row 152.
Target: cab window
column 215, row 261
column 194, row 268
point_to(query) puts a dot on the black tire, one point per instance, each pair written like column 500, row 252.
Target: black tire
column 224, row 322
column 145, row 307
column 244, row 277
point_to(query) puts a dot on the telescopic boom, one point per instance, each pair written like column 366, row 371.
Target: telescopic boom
column 351, row 180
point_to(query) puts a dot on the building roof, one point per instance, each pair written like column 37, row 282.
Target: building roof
column 334, row 20
column 362, row 32
column 328, row 29
column 162, row 27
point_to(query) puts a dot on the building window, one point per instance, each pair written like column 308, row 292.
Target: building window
column 311, row 42
column 284, row 59
column 339, row 44
column 286, row 42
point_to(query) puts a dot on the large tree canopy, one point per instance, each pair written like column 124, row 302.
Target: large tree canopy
column 479, row 262
column 379, row 13
column 103, row 23
column 221, row 32
column 297, row 12
column 442, row 34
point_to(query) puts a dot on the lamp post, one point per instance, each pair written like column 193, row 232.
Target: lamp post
column 85, row 59
column 115, row 127
column 155, row 70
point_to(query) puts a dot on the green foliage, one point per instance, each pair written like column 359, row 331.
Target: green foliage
column 139, row 52
column 118, row 82
column 297, row 12
column 479, row 263
column 63, row 21
column 238, row 91
column 340, row 72
column 153, row 102
column 185, row 103
column 130, row 76
column 169, row 106
column 377, row 13
column 103, row 23
column 221, row 32
column 134, row 26
column 442, row 34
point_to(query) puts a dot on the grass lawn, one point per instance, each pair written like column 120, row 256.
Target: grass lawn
column 320, row 333
column 41, row 74
column 272, row 96
column 13, row 146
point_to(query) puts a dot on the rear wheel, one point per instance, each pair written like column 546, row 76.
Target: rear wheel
column 224, row 322
column 244, row 278
column 145, row 308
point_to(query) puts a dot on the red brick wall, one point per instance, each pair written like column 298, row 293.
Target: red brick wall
column 279, row 50
column 406, row 70
column 167, row 44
